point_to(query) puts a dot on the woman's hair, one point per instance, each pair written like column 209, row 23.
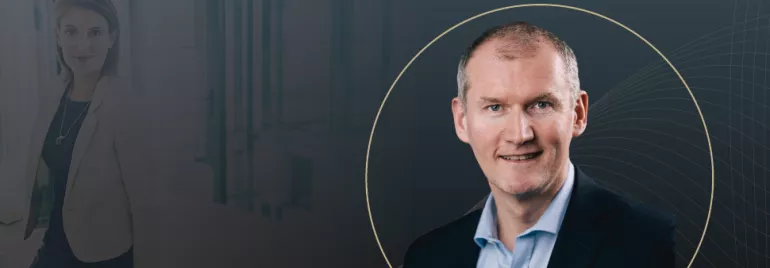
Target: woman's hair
column 101, row 7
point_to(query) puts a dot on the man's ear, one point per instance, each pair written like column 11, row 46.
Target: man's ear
column 581, row 114
column 458, row 112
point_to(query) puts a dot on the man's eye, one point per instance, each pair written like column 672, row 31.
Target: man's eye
column 96, row 33
column 542, row 104
column 69, row 32
column 494, row 107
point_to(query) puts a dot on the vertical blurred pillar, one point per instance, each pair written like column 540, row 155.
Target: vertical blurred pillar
column 168, row 53
column 126, row 20
column 216, row 139
column 340, row 56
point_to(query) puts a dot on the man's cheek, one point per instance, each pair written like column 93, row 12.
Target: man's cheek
column 487, row 134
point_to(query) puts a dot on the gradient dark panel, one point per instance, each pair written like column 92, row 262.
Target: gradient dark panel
column 262, row 111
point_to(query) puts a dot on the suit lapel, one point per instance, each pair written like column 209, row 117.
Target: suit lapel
column 582, row 229
column 470, row 249
column 86, row 133
column 462, row 249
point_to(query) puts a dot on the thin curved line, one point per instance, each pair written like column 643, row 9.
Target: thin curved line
column 647, row 71
column 620, row 93
column 730, row 80
column 767, row 48
column 578, row 151
column 716, row 105
column 745, row 222
column 623, row 175
column 753, row 171
column 646, row 92
column 652, row 70
column 740, row 122
column 688, row 128
column 679, row 52
column 731, row 148
column 702, row 76
column 610, row 148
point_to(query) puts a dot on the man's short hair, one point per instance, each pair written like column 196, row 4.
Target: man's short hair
column 523, row 40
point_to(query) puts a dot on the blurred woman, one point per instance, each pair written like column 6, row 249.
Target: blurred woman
column 82, row 147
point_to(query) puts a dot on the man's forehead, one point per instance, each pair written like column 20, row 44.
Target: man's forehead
column 508, row 48
column 497, row 51
column 515, row 94
column 490, row 69
column 492, row 57
column 512, row 49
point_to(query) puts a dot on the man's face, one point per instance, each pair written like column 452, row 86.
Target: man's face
column 519, row 118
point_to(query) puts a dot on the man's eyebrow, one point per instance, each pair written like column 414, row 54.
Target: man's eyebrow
column 550, row 97
column 490, row 100
column 545, row 96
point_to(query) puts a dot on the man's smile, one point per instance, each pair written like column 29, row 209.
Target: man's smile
column 521, row 157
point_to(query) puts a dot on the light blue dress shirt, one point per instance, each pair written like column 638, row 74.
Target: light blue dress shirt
column 534, row 246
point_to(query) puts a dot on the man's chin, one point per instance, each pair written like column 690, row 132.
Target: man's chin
column 526, row 195
column 520, row 192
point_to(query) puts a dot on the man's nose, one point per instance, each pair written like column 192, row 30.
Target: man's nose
column 518, row 129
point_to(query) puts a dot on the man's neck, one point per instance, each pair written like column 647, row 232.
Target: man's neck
column 514, row 216
column 83, row 86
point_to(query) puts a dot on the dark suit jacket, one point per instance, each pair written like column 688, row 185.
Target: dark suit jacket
column 600, row 229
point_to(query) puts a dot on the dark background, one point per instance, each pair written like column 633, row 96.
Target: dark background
column 264, row 110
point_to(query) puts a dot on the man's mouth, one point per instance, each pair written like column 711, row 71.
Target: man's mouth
column 520, row 157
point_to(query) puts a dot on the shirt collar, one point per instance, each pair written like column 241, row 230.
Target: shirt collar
column 549, row 222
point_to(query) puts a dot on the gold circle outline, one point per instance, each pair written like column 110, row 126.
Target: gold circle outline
column 382, row 105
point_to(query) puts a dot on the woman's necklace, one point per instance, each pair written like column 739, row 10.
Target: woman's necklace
column 61, row 136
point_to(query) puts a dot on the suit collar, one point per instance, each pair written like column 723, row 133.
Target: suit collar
column 468, row 251
column 549, row 222
column 583, row 224
column 581, row 229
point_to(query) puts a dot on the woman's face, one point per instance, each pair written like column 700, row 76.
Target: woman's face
column 85, row 40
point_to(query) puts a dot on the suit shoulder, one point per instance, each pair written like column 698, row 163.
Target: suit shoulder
column 647, row 233
column 450, row 239
column 457, row 228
